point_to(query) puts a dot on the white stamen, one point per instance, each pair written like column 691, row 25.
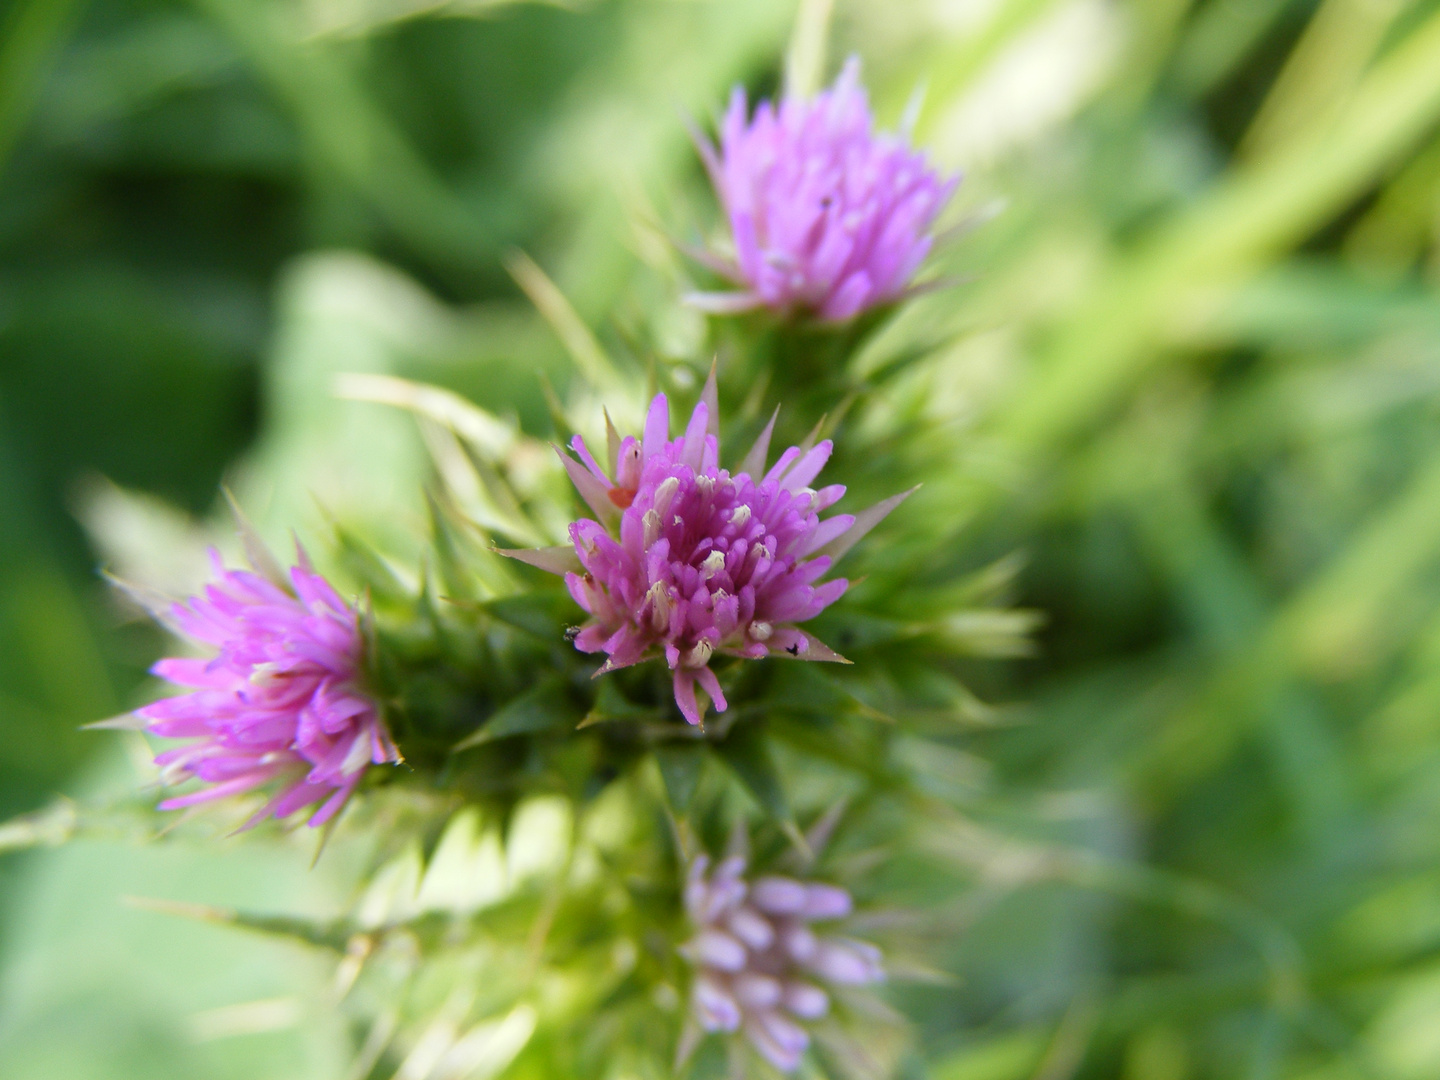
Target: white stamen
column 174, row 773
column 665, row 495
column 264, row 674
column 357, row 758
column 713, row 564
column 705, row 485
column 761, row 631
column 699, row 656
column 740, row 516
column 658, row 597
column 651, row 522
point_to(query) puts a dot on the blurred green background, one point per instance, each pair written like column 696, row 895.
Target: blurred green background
column 1194, row 380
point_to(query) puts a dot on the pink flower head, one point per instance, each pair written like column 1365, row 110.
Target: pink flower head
column 281, row 702
column 703, row 561
column 827, row 217
column 757, row 960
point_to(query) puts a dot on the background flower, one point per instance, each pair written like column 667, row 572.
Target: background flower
column 757, row 960
column 827, row 217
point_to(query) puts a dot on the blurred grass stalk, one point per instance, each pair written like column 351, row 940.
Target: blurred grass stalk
column 1252, row 215
column 348, row 136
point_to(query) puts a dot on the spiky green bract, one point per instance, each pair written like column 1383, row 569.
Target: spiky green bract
column 472, row 666
column 518, row 904
column 549, row 941
column 816, row 761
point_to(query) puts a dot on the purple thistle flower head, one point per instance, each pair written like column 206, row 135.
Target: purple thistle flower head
column 757, row 960
column 703, row 562
column 827, row 217
column 279, row 705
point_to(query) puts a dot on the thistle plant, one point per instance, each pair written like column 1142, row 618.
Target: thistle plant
column 535, row 891
column 1185, row 404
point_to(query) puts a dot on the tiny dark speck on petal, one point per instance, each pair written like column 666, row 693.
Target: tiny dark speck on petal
column 571, row 633
column 793, row 650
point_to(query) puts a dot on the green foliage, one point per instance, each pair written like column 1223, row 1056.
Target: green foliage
column 1134, row 771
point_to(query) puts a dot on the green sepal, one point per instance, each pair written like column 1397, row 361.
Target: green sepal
column 680, row 767
column 324, row 934
column 455, row 577
column 612, row 704
column 362, row 562
column 849, row 630
column 545, row 613
column 747, row 752
column 807, row 689
column 546, row 707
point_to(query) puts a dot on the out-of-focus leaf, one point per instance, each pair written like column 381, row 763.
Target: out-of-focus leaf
column 680, row 764
column 30, row 36
column 356, row 18
column 747, row 752
column 579, row 342
column 546, row 707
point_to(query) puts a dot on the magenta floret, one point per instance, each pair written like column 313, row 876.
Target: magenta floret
column 686, row 561
column 280, row 704
column 827, row 217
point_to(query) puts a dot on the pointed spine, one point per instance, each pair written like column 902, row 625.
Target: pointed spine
column 754, row 463
column 864, row 521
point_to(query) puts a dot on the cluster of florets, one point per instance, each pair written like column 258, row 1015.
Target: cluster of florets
column 683, row 561
column 280, row 704
column 757, row 959
column 703, row 562
column 827, row 217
